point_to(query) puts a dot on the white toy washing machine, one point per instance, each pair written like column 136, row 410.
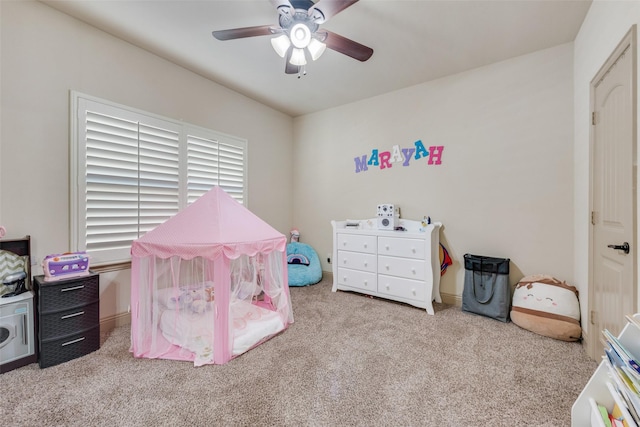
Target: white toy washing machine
column 16, row 328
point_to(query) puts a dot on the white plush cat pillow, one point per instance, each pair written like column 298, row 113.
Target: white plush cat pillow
column 547, row 306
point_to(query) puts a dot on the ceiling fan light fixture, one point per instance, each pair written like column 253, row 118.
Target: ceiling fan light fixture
column 281, row 44
column 316, row 48
column 300, row 35
column 297, row 57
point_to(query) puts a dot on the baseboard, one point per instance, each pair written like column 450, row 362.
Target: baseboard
column 108, row 324
column 451, row 299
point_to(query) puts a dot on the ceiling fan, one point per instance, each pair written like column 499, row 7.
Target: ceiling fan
column 300, row 35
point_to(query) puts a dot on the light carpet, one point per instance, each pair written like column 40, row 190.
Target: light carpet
column 348, row 360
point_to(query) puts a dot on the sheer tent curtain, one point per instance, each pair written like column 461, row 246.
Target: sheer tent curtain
column 262, row 278
column 166, row 283
column 207, row 311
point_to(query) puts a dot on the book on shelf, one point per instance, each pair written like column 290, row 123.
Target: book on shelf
column 628, row 358
column 616, row 417
column 628, row 399
column 624, row 410
column 624, row 372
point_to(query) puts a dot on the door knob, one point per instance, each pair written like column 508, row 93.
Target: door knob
column 623, row 247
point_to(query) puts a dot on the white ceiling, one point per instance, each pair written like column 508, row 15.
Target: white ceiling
column 413, row 42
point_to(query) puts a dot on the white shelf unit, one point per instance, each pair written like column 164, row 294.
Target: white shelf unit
column 584, row 412
column 402, row 266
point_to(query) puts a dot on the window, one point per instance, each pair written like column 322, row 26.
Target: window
column 132, row 170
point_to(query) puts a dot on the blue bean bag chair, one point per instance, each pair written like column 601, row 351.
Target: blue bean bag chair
column 303, row 264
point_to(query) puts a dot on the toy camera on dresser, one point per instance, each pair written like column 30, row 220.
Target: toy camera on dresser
column 388, row 216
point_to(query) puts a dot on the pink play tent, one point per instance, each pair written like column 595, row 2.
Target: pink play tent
column 208, row 284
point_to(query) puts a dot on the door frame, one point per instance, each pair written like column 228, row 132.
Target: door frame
column 629, row 39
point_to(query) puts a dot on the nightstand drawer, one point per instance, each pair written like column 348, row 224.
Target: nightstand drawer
column 356, row 243
column 357, row 261
column 399, row 287
column 68, row 294
column 68, row 318
column 53, row 352
column 403, row 267
column 357, row 279
column 69, row 321
column 408, row 248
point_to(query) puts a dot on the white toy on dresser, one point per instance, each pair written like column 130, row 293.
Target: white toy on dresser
column 401, row 265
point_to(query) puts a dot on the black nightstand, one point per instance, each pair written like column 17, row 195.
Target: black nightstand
column 68, row 313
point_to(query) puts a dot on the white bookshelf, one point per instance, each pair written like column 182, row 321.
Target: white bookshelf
column 584, row 412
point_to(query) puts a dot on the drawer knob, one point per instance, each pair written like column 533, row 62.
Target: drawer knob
column 387, row 247
column 387, row 286
column 344, row 262
column 365, row 283
column 344, row 243
column 366, row 263
column 413, row 270
column 387, row 266
column 365, row 245
column 413, row 250
column 344, row 279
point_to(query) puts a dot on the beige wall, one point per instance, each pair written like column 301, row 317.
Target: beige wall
column 44, row 55
column 604, row 27
column 505, row 185
column 513, row 182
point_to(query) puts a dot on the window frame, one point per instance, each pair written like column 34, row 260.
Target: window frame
column 78, row 164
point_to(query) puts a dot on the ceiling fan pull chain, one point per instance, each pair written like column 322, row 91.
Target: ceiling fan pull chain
column 302, row 71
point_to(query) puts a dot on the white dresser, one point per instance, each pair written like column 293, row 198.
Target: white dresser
column 397, row 265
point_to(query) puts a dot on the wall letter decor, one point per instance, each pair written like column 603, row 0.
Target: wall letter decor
column 385, row 159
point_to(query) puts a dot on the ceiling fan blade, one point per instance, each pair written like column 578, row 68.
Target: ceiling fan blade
column 347, row 47
column 289, row 68
column 238, row 33
column 327, row 9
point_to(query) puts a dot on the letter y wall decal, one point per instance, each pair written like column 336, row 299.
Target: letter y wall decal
column 399, row 156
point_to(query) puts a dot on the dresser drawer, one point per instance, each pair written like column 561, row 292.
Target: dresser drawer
column 69, row 321
column 394, row 246
column 400, row 287
column 68, row 294
column 53, row 352
column 357, row 261
column 357, row 243
column 357, row 279
column 403, row 267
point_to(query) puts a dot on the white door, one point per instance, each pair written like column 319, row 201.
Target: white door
column 613, row 215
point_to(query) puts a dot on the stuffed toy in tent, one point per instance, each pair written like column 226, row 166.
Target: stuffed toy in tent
column 208, row 284
column 547, row 306
column 303, row 264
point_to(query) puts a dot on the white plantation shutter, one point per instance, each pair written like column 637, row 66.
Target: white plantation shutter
column 231, row 170
column 202, row 163
column 111, row 212
column 211, row 162
column 159, row 179
column 130, row 168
